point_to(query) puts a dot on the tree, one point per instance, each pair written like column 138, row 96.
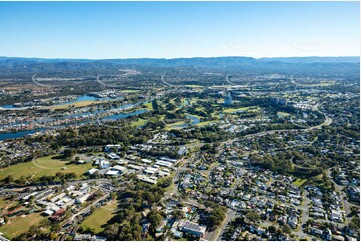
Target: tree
column 113, row 195
column 216, row 216
column 53, row 236
column 155, row 105
column 272, row 229
column 6, row 219
column 355, row 223
column 21, row 181
column 253, row 216
column 165, row 182
column 34, row 231
column 178, row 214
column 55, row 227
column 69, row 152
column 286, row 229
column 111, row 231
column 9, row 179
column 246, row 238
column 154, row 218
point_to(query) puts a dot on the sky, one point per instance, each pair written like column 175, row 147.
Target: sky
column 102, row 30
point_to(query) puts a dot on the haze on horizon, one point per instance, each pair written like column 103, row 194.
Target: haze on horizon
column 111, row 30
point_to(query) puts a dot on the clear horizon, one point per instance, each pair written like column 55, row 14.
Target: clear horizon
column 75, row 58
column 124, row 30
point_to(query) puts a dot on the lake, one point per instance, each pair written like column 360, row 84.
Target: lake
column 194, row 121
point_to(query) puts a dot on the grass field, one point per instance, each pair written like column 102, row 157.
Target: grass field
column 244, row 109
column 6, row 203
column 320, row 84
column 194, row 100
column 43, row 166
column 20, row 225
column 148, row 106
column 140, row 122
column 299, row 182
column 174, row 125
column 283, row 114
column 76, row 104
column 130, row 91
column 234, row 110
column 201, row 124
column 100, row 217
column 194, row 86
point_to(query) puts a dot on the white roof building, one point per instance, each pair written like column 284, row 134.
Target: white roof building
column 146, row 161
column 112, row 173
column 121, row 169
column 92, row 171
column 82, row 198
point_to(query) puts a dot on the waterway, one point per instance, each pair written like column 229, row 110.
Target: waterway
column 88, row 98
column 78, row 99
column 19, row 134
column 193, row 121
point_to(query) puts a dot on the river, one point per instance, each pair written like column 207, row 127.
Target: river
column 81, row 98
column 19, row 134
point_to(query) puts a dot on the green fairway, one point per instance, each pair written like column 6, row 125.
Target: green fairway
column 299, row 182
column 243, row 109
column 130, row 91
column 282, row 114
column 320, row 84
column 235, row 110
column 201, row 124
column 76, row 104
column 175, row 125
column 100, row 217
column 43, row 166
column 194, row 86
column 20, row 224
column 172, row 101
column 140, row 122
column 148, row 106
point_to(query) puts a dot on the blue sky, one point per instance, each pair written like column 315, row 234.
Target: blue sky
column 179, row 29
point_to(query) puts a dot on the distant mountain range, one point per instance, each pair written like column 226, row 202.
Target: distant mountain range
column 228, row 60
column 315, row 59
column 286, row 64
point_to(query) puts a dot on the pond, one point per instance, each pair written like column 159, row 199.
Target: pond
column 193, row 121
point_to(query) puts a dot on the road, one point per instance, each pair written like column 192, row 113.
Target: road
column 18, row 189
column 346, row 205
column 327, row 122
column 230, row 215
column 84, row 210
column 305, row 217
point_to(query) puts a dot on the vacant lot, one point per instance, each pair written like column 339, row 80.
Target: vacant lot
column 100, row 217
column 47, row 165
column 20, row 224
